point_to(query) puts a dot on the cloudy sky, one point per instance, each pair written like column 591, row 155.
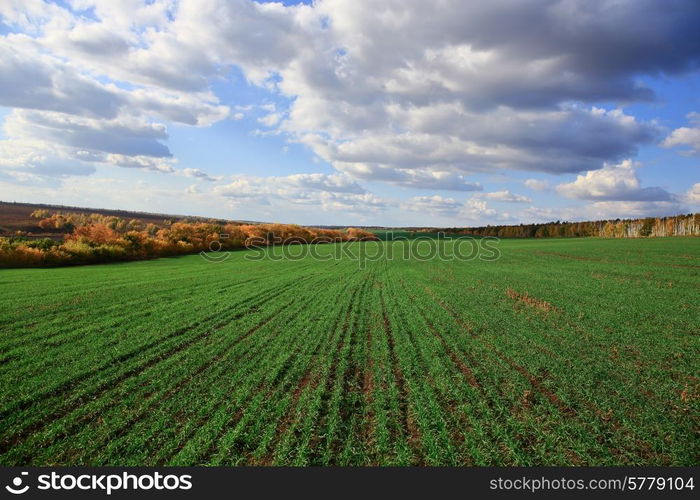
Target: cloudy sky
column 400, row 112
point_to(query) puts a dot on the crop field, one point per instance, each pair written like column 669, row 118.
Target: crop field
column 561, row 352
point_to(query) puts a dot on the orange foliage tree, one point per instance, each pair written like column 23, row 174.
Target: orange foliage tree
column 97, row 238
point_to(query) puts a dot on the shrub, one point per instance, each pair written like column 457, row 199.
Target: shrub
column 96, row 238
column 43, row 244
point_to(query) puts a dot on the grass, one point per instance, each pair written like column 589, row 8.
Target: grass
column 562, row 352
column 400, row 234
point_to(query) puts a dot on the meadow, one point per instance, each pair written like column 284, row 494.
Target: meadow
column 561, row 352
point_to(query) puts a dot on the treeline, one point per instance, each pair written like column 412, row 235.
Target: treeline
column 95, row 238
column 678, row 225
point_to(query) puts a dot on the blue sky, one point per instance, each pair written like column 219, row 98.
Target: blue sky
column 327, row 113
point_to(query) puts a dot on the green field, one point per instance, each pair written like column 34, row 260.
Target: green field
column 562, row 352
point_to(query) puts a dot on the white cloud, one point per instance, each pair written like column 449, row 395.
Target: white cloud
column 197, row 109
column 246, row 185
column 355, row 203
column 460, row 142
column 272, row 117
column 436, row 205
column 199, row 174
column 618, row 182
column 335, row 183
column 163, row 165
column 684, row 136
column 631, row 209
column 477, row 211
column 545, row 214
column 128, row 137
column 52, row 143
column 457, row 96
column 475, row 88
column 536, row 184
column 693, row 194
column 68, row 111
column 192, row 189
column 420, row 178
column 28, row 15
column 108, row 192
column 472, row 211
column 32, row 80
column 507, row 196
column 330, row 192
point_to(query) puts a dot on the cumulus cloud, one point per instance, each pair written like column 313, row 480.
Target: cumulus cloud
column 474, row 210
column 631, row 209
column 552, row 51
column 535, row 214
column 693, row 194
column 196, row 109
column 476, row 88
column 163, row 165
column 436, row 205
column 68, row 111
column 127, row 137
column 199, row 174
column 569, row 139
column 617, row 182
column 351, row 202
column 21, row 162
column 686, row 136
column 28, row 15
column 334, row 183
column 272, row 117
column 603, row 210
column 461, row 94
column 536, row 184
column 246, row 185
column 32, row 80
column 328, row 191
column 48, row 141
column 421, row 178
column 507, row 196
column 110, row 192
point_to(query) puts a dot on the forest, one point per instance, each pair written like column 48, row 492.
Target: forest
column 678, row 225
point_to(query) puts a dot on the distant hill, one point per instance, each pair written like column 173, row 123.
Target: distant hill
column 17, row 217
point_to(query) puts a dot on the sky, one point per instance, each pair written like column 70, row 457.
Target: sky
column 393, row 113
